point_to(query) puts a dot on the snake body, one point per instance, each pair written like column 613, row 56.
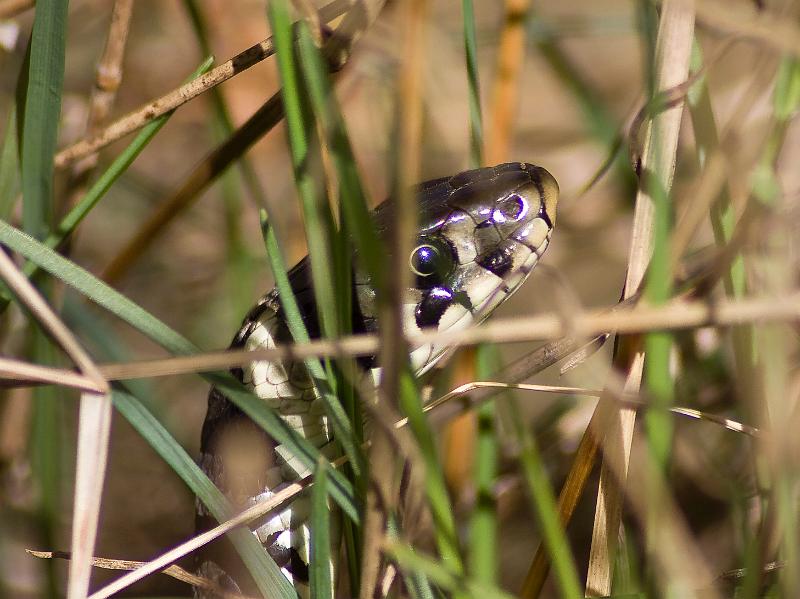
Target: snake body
column 481, row 233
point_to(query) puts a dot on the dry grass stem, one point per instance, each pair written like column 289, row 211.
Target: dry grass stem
column 170, row 101
column 337, row 50
column 510, row 56
column 109, row 69
column 717, row 168
column 173, row 555
column 461, row 392
column 175, row 572
column 44, row 314
column 675, row 315
column 13, row 372
column 673, row 49
column 94, row 430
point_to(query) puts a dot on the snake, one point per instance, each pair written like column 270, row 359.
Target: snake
column 480, row 234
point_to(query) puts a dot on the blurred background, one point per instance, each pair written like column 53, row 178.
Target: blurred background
column 582, row 81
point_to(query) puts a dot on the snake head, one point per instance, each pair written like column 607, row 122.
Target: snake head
column 481, row 234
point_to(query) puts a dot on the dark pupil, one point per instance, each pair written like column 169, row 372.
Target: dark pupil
column 425, row 260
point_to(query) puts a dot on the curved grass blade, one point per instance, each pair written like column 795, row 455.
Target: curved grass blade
column 94, row 289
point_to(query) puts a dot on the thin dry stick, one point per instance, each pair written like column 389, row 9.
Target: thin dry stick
column 259, row 509
column 336, row 50
column 109, row 69
column 468, row 403
column 108, row 78
column 674, row 315
column 11, row 8
column 673, row 50
column 15, row 370
column 177, row 97
column 175, row 572
column 107, row 81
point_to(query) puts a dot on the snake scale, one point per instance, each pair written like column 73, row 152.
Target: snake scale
column 481, row 233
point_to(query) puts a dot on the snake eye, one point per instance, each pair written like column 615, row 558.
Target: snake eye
column 430, row 262
column 424, row 260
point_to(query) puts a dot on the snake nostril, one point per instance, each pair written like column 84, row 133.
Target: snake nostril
column 484, row 224
column 513, row 208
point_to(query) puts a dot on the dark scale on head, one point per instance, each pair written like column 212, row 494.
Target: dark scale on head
column 432, row 307
column 498, row 261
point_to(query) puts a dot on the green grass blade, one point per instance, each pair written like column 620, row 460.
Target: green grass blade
column 269, row 578
column 473, row 85
column 416, row 582
column 294, row 321
column 319, row 224
column 483, row 562
column 658, row 380
column 93, row 288
column 320, row 566
column 436, row 489
column 357, row 228
column 48, row 451
column 42, row 113
column 317, row 215
column 146, row 323
column 544, row 506
column 357, row 218
column 104, row 345
column 9, row 165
